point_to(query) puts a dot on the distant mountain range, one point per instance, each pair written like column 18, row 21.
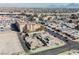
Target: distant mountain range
column 41, row 5
column 71, row 5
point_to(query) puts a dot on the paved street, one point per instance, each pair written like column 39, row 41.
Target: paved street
column 54, row 51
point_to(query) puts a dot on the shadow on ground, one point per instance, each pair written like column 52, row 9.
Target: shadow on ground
column 14, row 27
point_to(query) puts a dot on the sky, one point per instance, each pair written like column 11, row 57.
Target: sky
column 39, row 5
column 28, row 4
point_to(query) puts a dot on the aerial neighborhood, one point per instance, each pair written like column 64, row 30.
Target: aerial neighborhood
column 39, row 30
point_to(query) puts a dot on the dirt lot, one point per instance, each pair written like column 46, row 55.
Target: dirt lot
column 10, row 44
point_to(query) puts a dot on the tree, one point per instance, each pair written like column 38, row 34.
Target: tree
column 70, row 21
column 73, row 16
column 77, row 27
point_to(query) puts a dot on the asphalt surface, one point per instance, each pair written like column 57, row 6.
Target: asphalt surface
column 69, row 45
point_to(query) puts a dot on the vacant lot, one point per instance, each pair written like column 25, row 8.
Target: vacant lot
column 9, row 43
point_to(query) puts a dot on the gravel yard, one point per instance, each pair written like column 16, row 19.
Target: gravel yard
column 10, row 44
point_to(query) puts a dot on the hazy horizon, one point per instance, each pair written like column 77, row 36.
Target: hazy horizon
column 41, row 5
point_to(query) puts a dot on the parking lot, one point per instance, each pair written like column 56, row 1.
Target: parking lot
column 38, row 42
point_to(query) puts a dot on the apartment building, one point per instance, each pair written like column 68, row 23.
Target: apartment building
column 27, row 26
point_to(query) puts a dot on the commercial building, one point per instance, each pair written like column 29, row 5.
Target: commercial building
column 27, row 26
